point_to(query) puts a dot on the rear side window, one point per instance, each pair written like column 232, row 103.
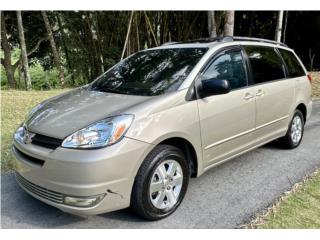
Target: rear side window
column 228, row 66
column 265, row 63
column 293, row 65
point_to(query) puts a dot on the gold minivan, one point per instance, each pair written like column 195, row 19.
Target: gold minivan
column 135, row 135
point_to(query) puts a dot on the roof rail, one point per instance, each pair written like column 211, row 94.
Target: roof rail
column 226, row 39
column 207, row 40
column 169, row 43
column 258, row 40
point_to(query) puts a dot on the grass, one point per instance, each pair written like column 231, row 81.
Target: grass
column 14, row 107
column 299, row 208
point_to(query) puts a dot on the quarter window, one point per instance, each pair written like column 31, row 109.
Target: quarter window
column 228, row 66
column 265, row 63
column 293, row 65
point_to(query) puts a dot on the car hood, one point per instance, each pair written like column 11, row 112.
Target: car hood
column 63, row 115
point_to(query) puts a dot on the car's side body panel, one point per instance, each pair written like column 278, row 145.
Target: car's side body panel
column 176, row 118
column 273, row 108
column 227, row 124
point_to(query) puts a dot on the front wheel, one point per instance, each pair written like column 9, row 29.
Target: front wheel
column 161, row 183
column 294, row 135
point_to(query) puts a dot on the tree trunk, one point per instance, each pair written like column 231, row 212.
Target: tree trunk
column 99, row 40
column 127, row 36
column 24, row 56
column 6, row 61
column 10, row 76
column 93, row 38
column 150, row 27
column 66, row 52
column 285, row 27
column 279, row 26
column 137, row 33
column 311, row 57
column 251, row 23
column 212, row 26
column 56, row 58
column 229, row 23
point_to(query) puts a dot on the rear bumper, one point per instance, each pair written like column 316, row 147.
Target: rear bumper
column 107, row 172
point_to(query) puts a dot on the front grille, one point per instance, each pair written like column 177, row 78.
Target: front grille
column 29, row 158
column 45, row 141
column 39, row 191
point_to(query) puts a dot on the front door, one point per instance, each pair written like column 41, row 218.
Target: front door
column 227, row 121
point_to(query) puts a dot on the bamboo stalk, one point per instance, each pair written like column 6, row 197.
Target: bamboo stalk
column 150, row 26
column 127, row 37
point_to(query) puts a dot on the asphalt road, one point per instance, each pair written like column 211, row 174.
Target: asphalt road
column 227, row 196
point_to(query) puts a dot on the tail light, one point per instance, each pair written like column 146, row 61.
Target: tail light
column 310, row 78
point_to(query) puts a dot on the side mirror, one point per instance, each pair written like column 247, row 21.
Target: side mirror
column 209, row 87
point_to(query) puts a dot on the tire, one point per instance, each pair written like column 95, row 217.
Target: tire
column 144, row 201
column 288, row 141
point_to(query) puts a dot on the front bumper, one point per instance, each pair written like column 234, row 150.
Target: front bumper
column 48, row 174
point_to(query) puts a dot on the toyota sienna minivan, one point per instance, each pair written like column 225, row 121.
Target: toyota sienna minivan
column 135, row 135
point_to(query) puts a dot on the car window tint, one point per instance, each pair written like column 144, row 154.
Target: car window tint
column 293, row 65
column 228, row 66
column 150, row 73
column 265, row 63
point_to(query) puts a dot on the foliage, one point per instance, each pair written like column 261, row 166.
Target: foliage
column 90, row 42
column 41, row 79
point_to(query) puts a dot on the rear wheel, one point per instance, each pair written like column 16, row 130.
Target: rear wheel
column 161, row 183
column 294, row 135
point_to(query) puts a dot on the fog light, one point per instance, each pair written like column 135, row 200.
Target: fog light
column 83, row 201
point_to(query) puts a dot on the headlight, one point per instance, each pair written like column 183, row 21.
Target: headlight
column 19, row 134
column 100, row 134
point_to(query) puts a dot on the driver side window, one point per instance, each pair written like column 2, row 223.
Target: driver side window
column 228, row 66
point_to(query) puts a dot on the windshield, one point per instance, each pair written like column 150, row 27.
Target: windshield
column 150, row 73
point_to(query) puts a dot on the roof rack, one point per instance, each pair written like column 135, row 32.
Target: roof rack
column 207, row 40
column 226, row 39
column 169, row 43
column 258, row 40
column 200, row 40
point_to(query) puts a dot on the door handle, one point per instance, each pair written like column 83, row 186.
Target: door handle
column 248, row 96
column 260, row 93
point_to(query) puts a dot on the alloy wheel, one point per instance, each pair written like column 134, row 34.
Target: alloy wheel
column 166, row 184
column 296, row 129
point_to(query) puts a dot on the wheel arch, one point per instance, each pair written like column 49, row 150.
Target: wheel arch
column 188, row 149
column 303, row 109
